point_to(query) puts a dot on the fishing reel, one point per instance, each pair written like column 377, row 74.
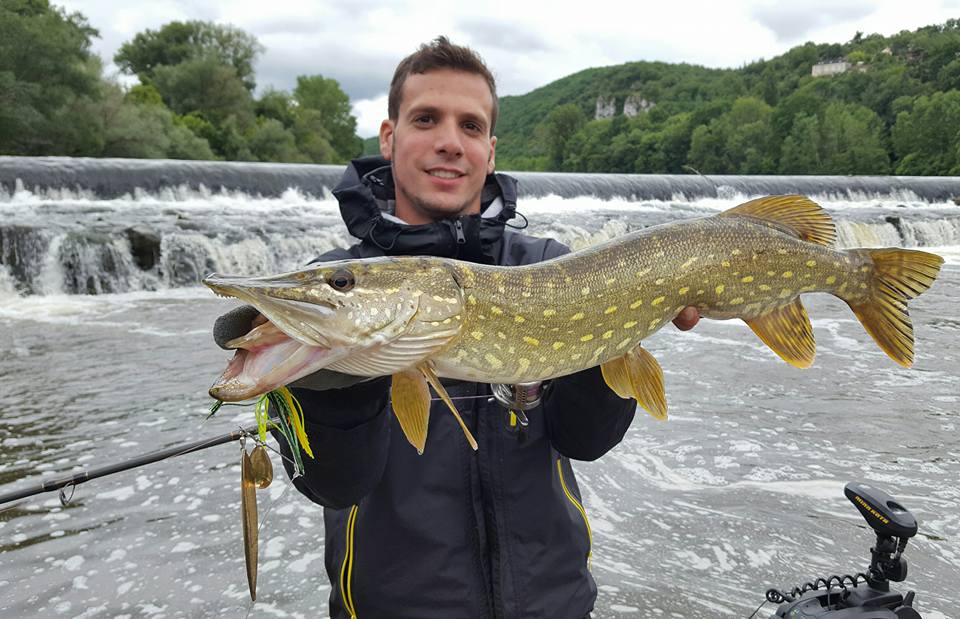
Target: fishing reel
column 866, row 595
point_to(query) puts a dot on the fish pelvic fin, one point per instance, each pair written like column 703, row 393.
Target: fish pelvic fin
column 795, row 214
column 427, row 371
column 787, row 331
column 410, row 397
column 899, row 275
column 637, row 375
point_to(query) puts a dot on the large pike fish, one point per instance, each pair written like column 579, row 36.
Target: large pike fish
column 422, row 318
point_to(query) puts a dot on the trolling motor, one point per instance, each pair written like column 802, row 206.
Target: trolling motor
column 864, row 596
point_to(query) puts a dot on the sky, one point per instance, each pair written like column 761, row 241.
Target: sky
column 526, row 43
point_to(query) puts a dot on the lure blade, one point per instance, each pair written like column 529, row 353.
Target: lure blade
column 248, row 512
column 262, row 467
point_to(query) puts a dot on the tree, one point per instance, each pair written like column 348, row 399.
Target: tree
column 45, row 64
column 179, row 42
column 852, row 142
column 206, row 87
column 270, row 141
column 740, row 141
column 558, row 127
column 324, row 95
column 926, row 135
column 800, row 153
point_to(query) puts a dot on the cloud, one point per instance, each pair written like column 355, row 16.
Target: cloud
column 793, row 21
column 487, row 33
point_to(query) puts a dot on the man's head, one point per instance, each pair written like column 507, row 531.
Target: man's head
column 439, row 135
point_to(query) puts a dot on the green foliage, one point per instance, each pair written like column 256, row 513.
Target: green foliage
column 560, row 125
column 204, row 86
column 179, row 42
column 324, row 96
column 927, row 134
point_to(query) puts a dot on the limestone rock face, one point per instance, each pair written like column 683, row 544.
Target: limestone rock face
column 606, row 107
column 635, row 104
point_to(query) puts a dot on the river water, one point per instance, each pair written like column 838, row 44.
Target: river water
column 695, row 518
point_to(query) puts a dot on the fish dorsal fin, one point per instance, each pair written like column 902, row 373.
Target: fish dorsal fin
column 787, row 331
column 796, row 214
column 637, row 375
column 411, row 404
column 431, row 377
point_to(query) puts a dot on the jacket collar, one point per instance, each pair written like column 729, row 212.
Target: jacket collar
column 366, row 193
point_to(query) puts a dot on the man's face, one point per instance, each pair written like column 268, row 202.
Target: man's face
column 440, row 145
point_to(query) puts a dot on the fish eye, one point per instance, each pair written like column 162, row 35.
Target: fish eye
column 341, row 280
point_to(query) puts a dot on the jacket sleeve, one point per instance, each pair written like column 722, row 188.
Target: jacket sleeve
column 349, row 434
column 585, row 418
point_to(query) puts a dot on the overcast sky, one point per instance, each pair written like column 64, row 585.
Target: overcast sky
column 526, row 43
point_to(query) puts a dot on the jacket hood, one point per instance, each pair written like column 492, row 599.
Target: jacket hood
column 366, row 193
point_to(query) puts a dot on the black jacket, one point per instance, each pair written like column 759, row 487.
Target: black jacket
column 500, row 532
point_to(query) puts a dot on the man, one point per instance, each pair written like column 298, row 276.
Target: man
column 497, row 532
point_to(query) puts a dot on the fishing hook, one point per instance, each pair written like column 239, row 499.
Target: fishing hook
column 64, row 499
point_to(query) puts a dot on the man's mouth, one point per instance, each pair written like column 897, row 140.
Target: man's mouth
column 445, row 174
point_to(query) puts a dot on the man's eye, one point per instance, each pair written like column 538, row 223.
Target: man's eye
column 423, row 120
column 473, row 127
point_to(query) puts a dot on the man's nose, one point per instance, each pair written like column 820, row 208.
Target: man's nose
column 449, row 141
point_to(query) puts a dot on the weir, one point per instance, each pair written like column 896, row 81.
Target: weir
column 90, row 226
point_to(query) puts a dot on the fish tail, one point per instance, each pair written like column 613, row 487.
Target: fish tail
column 898, row 276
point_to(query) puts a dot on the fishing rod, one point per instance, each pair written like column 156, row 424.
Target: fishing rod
column 76, row 479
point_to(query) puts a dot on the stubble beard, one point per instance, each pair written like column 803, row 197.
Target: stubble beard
column 433, row 210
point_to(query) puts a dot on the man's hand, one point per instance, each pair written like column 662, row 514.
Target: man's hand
column 687, row 318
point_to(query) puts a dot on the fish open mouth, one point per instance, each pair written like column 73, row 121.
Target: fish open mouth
column 266, row 358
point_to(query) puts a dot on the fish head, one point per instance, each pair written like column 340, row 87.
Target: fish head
column 320, row 315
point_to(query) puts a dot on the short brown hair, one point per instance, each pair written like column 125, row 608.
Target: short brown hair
column 440, row 53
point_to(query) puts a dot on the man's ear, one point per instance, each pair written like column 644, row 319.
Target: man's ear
column 386, row 139
column 492, row 159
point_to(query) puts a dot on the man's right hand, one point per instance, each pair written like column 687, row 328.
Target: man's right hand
column 239, row 321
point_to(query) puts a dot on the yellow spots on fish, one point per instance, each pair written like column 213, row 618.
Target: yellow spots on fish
column 501, row 335
column 659, row 281
column 736, row 252
column 863, row 286
column 719, row 289
column 472, row 300
column 643, row 272
column 787, row 274
column 653, row 324
column 587, row 337
column 842, row 288
column 374, row 311
column 524, row 364
column 575, row 356
column 864, row 269
column 610, row 280
column 531, row 340
column 447, row 321
column 549, row 370
column 547, row 313
column 657, row 301
column 477, row 335
column 558, row 345
column 700, row 292
column 782, row 252
column 624, row 343
column 610, row 309
column 542, row 359
column 526, row 294
column 598, row 352
column 494, row 362
column 629, row 325
column 689, row 262
column 811, row 263
column 764, row 287
column 725, row 263
column 607, row 334
column 577, row 316
column 771, row 273
column 636, row 304
column 585, row 290
column 831, row 279
column 736, row 301
column 684, row 290
column 809, row 288
column 496, row 310
column 746, row 279
column 786, row 293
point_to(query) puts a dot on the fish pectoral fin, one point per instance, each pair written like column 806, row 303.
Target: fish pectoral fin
column 787, row 331
column 248, row 512
column 427, row 370
column 411, row 404
column 798, row 214
column 637, row 375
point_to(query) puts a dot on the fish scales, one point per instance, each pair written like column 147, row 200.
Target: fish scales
column 598, row 303
column 418, row 319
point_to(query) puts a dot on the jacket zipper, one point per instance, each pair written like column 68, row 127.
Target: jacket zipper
column 579, row 506
column 458, row 228
column 346, row 570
